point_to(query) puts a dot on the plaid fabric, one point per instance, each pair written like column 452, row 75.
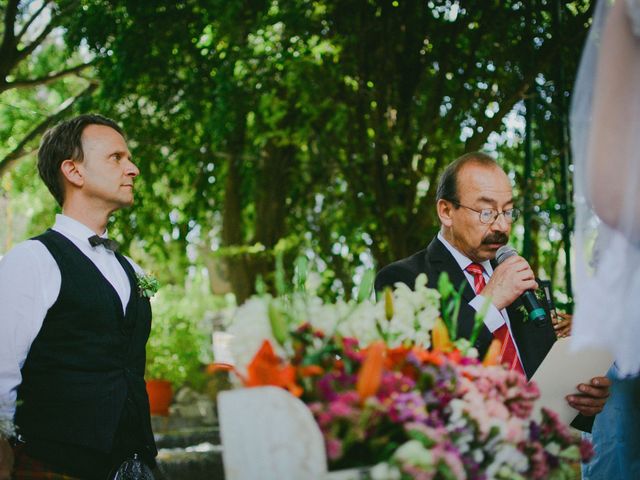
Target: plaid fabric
column 28, row 468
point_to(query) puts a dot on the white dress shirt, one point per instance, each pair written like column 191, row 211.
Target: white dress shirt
column 30, row 283
column 493, row 318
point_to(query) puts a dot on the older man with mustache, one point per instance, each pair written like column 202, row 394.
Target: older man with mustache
column 475, row 206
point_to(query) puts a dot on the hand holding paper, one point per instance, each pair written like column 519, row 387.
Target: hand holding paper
column 560, row 375
column 592, row 397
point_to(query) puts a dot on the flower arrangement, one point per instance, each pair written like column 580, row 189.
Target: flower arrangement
column 388, row 387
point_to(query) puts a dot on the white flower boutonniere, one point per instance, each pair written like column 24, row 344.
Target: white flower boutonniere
column 148, row 285
column 7, row 428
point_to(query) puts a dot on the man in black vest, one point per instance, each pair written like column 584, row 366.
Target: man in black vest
column 476, row 209
column 73, row 324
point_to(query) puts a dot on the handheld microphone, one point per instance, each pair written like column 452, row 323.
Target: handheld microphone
column 534, row 311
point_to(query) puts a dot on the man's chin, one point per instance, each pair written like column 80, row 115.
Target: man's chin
column 126, row 203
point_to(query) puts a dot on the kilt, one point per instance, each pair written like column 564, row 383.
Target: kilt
column 28, row 468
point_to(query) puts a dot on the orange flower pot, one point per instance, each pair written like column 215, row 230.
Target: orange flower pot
column 160, row 396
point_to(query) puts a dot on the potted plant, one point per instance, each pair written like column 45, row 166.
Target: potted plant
column 178, row 347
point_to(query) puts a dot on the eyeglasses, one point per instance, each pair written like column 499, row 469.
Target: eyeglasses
column 490, row 215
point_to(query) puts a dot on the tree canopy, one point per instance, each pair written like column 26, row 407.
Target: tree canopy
column 264, row 127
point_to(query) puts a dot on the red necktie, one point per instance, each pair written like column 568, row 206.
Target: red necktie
column 508, row 353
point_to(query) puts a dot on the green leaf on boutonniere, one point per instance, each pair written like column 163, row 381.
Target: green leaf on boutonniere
column 148, row 285
column 522, row 309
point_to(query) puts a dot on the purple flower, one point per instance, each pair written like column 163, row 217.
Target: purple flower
column 407, row 407
column 394, row 382
column 329, row 385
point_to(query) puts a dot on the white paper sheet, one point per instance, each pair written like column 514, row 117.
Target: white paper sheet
column 561, row 372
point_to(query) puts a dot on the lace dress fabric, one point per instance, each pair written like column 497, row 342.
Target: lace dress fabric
column 633, row 10
column 605, row 121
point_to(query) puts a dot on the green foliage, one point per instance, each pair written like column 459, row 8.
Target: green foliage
column 180, row 341
column 451, row 299
column 324, row 123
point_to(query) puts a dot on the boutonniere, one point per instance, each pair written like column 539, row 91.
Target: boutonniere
column 148, row 285
column 7, row 427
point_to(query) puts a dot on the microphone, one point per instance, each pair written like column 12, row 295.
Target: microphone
column 534, row 311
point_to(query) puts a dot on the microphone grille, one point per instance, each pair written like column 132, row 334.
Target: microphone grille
column 505, row 252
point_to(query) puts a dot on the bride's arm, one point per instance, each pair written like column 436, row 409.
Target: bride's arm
column 615, row 138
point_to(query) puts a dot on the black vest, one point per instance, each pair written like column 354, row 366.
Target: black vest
column 84, row 372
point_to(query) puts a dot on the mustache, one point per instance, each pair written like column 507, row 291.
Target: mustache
column 496, row 237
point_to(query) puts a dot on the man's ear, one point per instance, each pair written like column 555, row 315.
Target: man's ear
column 444, row 209
column 72, row 173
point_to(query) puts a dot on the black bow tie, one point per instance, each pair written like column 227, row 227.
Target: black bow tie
column 107, row 243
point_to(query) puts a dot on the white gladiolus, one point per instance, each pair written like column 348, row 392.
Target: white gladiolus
column 250, row 327
column 414, row 316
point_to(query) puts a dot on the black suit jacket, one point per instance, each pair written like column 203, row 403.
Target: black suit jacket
column 533, row 340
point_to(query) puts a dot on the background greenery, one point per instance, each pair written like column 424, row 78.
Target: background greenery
column 314, row 127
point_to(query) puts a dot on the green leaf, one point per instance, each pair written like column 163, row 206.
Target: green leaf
column 445, row 287
column 278, row 322
column 281, row 284
column 479, row 321
column 261, row 288
column 300, row 273
column 366, row 285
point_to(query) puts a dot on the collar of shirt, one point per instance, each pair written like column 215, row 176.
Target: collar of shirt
column 463, row 260
column 494, row 318
column 104, row 259
column 74, row 230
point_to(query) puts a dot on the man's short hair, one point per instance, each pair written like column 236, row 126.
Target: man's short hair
column 448, row 183
column 64, row 142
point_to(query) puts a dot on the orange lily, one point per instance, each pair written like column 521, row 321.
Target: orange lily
column 310, row 370
column 492, row 356
column 224, row 367
column 267, row 369
column 426, row 356
column 370, row 374
column 440, row 337
column 455, row 356
column 396, row 356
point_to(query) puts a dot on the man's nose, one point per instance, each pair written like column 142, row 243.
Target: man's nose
column 500, row 223
column 131, row 169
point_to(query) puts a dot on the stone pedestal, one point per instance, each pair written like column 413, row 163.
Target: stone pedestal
column 269, row 434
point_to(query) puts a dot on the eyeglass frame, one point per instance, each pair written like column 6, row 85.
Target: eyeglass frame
column 514, row 213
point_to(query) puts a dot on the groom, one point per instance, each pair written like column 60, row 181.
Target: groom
column 73, row 326
column 476, row 209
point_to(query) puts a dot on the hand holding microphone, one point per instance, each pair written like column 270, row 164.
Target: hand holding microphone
column 512, row 279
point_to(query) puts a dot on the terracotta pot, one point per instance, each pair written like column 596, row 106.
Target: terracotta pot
column 160, row 396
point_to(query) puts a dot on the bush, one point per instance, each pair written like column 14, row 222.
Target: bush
column 180, row 342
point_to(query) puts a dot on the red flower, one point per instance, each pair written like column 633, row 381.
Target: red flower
column 267, row 369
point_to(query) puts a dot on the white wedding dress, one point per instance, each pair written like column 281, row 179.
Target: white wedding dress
column 605, row 131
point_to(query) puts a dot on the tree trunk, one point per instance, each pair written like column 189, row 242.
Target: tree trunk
column 232, row 216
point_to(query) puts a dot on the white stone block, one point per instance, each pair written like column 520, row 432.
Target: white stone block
column 268, row 434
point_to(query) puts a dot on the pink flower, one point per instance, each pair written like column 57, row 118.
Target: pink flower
column 552, row 427
column 515, row 431
column 341, row 408
column 452, row 460
column 334, row 448
column 586, row 450
column 538, row 461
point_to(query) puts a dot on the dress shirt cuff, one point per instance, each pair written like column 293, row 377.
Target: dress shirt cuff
column 493, row 319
